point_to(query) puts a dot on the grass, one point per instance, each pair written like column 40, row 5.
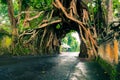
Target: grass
column 109, row 68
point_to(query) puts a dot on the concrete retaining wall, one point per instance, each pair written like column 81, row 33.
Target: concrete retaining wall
column 109, row 51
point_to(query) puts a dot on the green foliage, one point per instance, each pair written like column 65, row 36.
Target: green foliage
column 20, row 50
column 111, row 70
column 116, row 8
column 58, row 26
column 46, row 5
column 25, row 4
column 4, row 14
column 72, row 42
column 6, row 42
column 34, row 23
column 4, row 51
column 5, row 29
column 37, row 4
column 16, row 7
column 4, row 1
column 3, row 8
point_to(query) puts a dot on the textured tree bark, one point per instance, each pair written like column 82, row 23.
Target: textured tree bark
column 26, row 23
column 109, row 11
column 13, row 22
column 48, row 43
column 83, row 50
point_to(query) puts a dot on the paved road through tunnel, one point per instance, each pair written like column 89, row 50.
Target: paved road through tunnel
column 61, row 67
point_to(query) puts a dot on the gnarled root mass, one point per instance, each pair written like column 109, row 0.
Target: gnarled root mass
column 69, row 15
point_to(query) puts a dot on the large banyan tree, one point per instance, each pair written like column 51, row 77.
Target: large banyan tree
column 46, row 22
column 61, row 17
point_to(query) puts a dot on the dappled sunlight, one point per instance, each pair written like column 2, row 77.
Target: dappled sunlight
column 70, row 54
column 80, row 72
column 70, row 45
column 82, row 67
column 76, row 36
column 6, row 41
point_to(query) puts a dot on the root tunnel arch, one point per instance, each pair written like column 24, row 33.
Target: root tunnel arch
column 57, row 22
column 70, row 43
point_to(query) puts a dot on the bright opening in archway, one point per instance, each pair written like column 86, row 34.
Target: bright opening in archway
column 70, row 44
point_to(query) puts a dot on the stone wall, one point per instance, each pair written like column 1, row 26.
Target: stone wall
column 119, row 52
column 109, row 51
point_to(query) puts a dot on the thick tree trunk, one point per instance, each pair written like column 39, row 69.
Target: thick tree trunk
column 109, row 11
column 83, row 50
column 13, row 22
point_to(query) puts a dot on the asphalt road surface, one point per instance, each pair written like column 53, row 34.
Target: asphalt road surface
column 61, row 67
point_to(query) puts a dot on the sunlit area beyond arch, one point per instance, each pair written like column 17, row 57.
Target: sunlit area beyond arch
column 70, row 44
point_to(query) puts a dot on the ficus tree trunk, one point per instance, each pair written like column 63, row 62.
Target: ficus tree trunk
column 13, row 22
column 109, row 11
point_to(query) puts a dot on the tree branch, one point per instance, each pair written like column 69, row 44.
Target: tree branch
column 36, row 16
column 49, row 23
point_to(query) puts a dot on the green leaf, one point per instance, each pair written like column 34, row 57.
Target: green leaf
column 4, row 1
column 58, row 26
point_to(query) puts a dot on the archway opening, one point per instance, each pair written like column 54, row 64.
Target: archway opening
column 70, row 44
